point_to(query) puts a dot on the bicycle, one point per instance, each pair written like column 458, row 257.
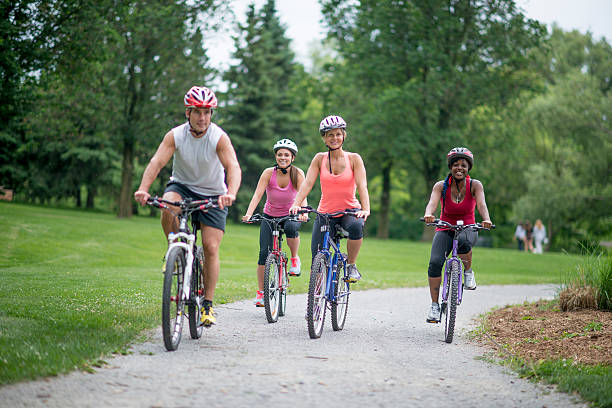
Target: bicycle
column 452, row 287
column 183, row 272
column 276, row 275
column 328, row 286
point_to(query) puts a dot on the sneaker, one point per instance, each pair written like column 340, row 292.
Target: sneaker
column 434, row 313
column 259, row 300
column 353, row 273
column 469, row 281
column 296, row 266
column 208, row 315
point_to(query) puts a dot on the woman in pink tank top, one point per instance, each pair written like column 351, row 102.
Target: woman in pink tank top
column 281, row 184
column 341, row 174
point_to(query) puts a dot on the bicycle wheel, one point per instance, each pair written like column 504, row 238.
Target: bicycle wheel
column 172, row 306
column 340, row 307
column 282, row 307
column 315, row 310
column 271, row 288
column 197, row 294
column 451, row 307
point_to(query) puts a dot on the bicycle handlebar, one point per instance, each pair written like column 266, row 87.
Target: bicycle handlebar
column 185, row 204
column 444, row 224
column 305, row 210
column 258, row 218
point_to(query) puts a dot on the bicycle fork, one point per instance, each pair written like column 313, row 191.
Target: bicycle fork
column 173, row 240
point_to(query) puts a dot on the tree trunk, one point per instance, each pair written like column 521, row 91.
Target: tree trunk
column 385, row 203
column 127, row 174
column 91, row 194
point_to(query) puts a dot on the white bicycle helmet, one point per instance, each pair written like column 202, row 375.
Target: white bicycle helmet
column 331, row 122
column 200, row 97
column 286, row 144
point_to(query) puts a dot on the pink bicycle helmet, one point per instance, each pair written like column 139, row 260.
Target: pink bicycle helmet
column 200, row 97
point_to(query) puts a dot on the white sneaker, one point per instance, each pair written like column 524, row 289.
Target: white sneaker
column 295, row 266
column 434, row 313
column 469, row 280
column 353, row 273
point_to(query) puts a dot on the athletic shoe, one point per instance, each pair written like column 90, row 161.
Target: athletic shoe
column 353, row 273
column 434, row 313
column 469, row 281
column 296, row 266
column 208, row 316
column 259, row 301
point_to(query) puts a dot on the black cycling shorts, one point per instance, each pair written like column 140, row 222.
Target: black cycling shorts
column 213, row 217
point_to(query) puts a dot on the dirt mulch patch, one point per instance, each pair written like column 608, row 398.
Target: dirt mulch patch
column 542, row 331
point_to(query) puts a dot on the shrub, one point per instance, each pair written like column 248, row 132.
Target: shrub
column 589, row 284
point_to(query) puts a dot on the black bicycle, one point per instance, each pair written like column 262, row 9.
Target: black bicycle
column 183, row 271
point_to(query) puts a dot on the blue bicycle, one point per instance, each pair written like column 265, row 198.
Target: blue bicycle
column 329, row 286
column 452, row 287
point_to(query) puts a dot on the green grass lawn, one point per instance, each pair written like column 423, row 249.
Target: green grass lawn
column 76, row 286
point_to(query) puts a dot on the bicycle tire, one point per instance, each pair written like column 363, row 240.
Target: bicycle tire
column 197, row 293
column 316, row 306
column 282, row 307
column 173, row 306
column 451, row 308
column 339, row 308
column 271, row 288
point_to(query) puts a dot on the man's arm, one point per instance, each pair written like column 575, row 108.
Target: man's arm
column 158, row 161
column 233, row 173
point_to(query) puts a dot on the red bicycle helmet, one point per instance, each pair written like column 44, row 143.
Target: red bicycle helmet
column 460, row 153
column 200, row 97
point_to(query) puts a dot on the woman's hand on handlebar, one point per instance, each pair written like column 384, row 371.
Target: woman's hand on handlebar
column 246, row 218
column 303, row 217
column 362, row 214
column 294, row 209
column 486, row 224
column 429, row 219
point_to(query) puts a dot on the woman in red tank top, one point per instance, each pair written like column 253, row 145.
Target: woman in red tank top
column 459, row 195
column 341, row 174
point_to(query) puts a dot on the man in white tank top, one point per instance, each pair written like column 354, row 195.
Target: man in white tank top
column 203, row 159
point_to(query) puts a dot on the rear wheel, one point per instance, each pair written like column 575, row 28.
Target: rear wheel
column 272, row 288
column 197, row 294
column 173, row 307
column 340, row 307
column 315, row 310
column 451, row 307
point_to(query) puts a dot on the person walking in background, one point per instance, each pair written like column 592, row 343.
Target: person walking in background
column 341, row 174
column 204, row 160
column 281, row 183
column 519, row 236
column 528, row 236
column 459, row 195
column 539, row 236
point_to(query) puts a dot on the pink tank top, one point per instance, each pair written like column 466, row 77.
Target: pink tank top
column 337, row 191
column 452, row 212
column 278, row 200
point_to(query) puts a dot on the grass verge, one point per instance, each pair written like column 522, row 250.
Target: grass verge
column 77, row 286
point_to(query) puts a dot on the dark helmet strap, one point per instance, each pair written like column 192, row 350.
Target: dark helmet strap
column 283, row 170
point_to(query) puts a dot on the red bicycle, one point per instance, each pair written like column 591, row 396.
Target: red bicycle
column 276, row 275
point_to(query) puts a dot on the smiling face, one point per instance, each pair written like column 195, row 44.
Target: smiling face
column 459, row 169
column 334, row 138
column 284, row 158
column 199, row 118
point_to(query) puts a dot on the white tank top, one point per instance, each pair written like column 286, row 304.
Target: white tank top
column 196, row 163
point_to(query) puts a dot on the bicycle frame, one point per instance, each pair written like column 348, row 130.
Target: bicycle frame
column 332, row 271
column 453, row 257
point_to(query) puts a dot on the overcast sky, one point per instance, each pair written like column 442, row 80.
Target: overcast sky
column 302, row 20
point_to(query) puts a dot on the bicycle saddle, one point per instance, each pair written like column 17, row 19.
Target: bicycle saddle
column 341, row 232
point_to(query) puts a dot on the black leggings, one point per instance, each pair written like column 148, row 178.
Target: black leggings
column 442, row 245
column 353, row 225
column 265, row 236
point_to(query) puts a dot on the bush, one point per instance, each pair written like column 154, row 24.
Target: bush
column 589, row 284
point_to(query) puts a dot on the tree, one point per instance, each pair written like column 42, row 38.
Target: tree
column 260, row 106
column 436, row 61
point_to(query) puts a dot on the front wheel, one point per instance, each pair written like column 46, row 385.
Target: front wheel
column 197, row 294
column 315, row 310
column 272, row 288
column 451, row 307
column 173, row 306
column 340, row 306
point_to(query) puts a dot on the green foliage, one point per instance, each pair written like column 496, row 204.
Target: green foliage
column 595, row 271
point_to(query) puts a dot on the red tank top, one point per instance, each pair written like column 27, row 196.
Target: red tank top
column 452, row 212
column 337, row 191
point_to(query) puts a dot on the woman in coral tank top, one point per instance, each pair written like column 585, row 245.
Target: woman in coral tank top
column 280, row 183
column 341, row 175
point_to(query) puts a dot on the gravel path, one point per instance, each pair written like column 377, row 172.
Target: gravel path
column 386, row 356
